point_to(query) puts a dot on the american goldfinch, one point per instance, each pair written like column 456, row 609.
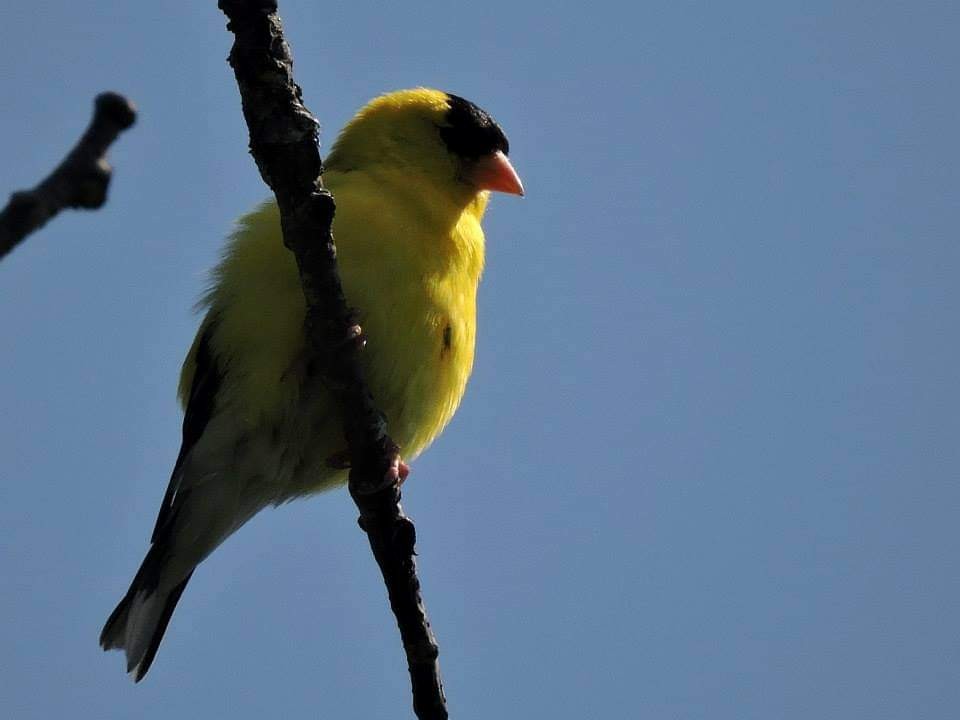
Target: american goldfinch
column 412, row 173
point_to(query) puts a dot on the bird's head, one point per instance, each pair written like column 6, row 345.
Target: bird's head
column 428, row 136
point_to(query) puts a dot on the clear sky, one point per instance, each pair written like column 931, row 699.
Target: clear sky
column 707, row 466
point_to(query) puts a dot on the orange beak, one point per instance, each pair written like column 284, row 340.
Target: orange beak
column 494, row 172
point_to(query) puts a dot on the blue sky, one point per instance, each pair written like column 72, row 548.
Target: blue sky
column 707, row 464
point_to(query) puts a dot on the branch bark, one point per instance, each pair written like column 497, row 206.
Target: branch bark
column 79, row 181
column 283, row 142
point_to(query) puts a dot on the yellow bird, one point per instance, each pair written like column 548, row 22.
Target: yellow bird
column 412, row 174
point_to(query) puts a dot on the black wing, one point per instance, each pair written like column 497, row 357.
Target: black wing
column 200, row 407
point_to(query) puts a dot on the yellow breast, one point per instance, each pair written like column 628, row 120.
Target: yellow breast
column 411, row 271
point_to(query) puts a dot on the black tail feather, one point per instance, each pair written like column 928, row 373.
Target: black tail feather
column 172, row 599
column 116, row 632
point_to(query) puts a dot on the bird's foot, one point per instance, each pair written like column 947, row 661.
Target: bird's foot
column 397, row 472
column 355, row 336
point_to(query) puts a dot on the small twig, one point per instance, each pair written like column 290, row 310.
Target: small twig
column 80, row 181
column 283, row 142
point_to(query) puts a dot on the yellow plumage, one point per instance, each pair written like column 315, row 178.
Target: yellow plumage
column 410, row 255
column 411, row 175
column 413, row 279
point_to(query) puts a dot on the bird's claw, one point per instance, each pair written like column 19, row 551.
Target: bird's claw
column 355, row 336
column 397, row 472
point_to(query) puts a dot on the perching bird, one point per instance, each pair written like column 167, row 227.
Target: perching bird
column 411, row 174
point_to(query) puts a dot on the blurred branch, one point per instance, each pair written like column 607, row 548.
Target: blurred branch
column 283, row 142
column 80, row 181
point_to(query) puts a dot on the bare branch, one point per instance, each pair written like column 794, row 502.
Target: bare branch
column 283, row 141
column 80, row 181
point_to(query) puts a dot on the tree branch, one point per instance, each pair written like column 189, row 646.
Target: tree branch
column 80, row 181
column 283, row 142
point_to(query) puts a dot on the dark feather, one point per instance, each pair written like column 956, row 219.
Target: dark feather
column 172, row 599
column 200, row 408
column 470, row 132
column 207, row 378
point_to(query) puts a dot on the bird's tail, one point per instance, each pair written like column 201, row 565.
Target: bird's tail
column 140, row 619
